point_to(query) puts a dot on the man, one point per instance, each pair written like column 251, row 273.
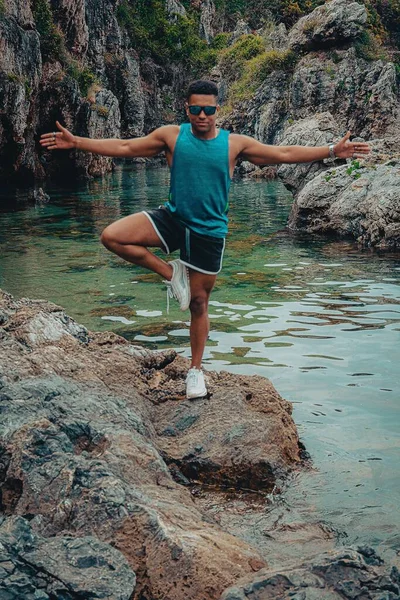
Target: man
column 202, row 158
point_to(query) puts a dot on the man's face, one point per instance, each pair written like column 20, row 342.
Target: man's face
column 202, row 123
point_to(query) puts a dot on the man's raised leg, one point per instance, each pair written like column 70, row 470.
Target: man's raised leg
column 130, row 238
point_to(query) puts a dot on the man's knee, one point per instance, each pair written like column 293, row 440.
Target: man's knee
column 107, row 238
column 199, row 304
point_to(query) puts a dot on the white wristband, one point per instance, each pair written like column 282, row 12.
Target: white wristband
column 332, row 154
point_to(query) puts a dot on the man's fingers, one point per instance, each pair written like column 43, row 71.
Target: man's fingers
column 60, row 127
column 347, row 136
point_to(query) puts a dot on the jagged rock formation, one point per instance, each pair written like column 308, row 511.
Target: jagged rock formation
column 36, row 568
column 331, row 24
column 332, row 89
column 128, row 96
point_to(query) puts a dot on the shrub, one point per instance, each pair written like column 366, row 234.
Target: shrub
column 257, row 69
column 233, row 59
column 220, row 41
column 152, row 34
column 82, row 74
column 369, row 47
column 52, row 44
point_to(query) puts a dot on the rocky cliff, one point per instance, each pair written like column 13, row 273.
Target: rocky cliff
column 338, row 80
column 84, row 63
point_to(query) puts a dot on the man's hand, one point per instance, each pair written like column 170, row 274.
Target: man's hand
column 58, row 140
column 347, row 149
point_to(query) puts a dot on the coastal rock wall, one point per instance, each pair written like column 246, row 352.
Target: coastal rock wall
column 335, row 85
column 73, row 60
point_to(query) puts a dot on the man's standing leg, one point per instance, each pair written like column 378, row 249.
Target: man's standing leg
column 200, row 289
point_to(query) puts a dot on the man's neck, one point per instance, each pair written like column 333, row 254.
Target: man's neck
column 208, row 135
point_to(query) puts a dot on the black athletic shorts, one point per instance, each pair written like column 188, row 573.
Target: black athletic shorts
column 199, row 252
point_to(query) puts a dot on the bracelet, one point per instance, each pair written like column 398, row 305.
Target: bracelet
column 332, row 154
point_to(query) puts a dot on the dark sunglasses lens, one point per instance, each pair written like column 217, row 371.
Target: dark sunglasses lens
column 196, row 110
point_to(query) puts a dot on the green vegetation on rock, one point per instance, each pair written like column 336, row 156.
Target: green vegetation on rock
column 53, row 48
column 153, row 34
column 51, row 39
column 82, row 74
column 248, row 62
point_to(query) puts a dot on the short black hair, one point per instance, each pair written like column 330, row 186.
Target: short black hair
column 202, row 86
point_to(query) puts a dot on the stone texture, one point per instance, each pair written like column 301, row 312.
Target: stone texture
column 103, row 120
column 98, row 442
column 71, row 16
column 345, row 573
column 174, row 9
column 207, row 14
column 331, row 24
column 362, row 202
column 20, row 72
column 36, row 568
column 319, row 130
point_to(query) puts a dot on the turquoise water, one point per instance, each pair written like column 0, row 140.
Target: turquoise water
column 320, row 318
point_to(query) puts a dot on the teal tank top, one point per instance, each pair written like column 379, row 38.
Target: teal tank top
column 200, row 182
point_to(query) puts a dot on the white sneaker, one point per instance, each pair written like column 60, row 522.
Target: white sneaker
column 195, row 386
column 179, row 286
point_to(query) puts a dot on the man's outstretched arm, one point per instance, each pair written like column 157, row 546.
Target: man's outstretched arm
column 262, row 154
column 147, row 146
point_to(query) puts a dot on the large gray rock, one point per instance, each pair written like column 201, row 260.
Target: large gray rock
column 36, row 568
column 361, row 95
column 174, row 8
column 331, row 24
column 103, row 120
column 98, row 441
column 343, row 574
column 318, row 130
column 358, row 201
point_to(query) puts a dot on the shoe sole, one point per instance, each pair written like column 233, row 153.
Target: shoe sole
column 201, row 395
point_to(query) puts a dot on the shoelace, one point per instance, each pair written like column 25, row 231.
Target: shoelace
column 170, row 294
column 192, row 377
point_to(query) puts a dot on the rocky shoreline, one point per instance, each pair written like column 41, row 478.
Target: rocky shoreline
column 106, row 471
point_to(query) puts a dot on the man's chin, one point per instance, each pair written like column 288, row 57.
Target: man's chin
column 203, row 127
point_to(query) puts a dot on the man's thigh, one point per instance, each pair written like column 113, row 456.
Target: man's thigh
column 135, row 229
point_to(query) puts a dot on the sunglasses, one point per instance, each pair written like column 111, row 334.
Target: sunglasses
column 196, row 110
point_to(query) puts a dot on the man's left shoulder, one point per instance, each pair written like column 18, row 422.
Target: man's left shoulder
column 237, row 141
